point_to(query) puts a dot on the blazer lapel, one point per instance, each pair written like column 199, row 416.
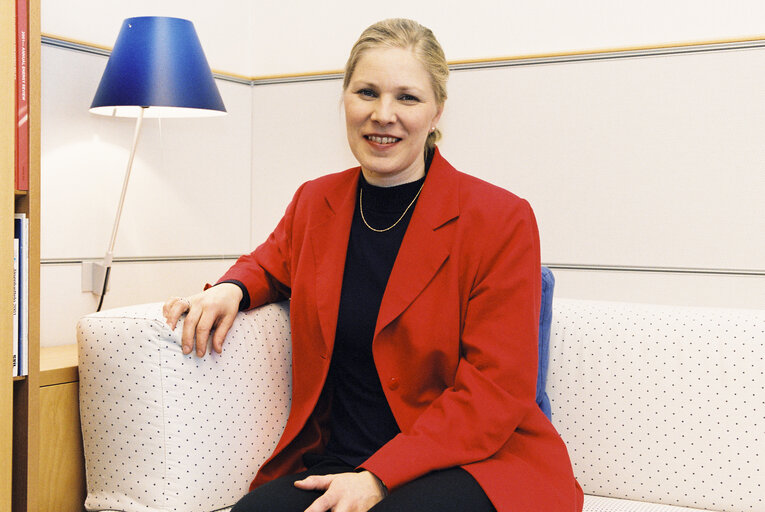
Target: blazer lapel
column 426, row 244
column 329, row 242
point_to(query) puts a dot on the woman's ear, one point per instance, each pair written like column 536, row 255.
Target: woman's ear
column 437, row 116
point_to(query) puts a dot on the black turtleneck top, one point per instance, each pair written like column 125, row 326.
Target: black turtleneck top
column 360, row 418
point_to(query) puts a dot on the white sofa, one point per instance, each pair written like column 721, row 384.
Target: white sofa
column 662, row 408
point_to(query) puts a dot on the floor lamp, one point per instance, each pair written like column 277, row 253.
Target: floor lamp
column 156, row 69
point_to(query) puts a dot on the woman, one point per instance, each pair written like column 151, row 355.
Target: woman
column 415, row 296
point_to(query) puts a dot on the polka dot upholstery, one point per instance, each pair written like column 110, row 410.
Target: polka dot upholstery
column 662, row 408
column 661, row 404
column 167, row 432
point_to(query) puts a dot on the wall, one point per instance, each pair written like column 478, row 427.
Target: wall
column 621, row 158
column 298, row 36
column 645, row 173
column 494, row 28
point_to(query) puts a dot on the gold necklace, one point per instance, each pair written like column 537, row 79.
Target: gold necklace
column 361, row 210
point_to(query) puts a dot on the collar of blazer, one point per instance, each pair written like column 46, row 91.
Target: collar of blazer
column 425, row 247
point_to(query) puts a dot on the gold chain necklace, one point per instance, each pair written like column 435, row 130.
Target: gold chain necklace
column 361, row 210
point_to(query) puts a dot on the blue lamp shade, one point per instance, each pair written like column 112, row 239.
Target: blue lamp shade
column 157, row 64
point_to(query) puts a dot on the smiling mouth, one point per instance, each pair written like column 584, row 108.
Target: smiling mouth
column 381, row 140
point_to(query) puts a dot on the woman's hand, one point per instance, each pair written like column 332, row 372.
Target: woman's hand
column 213, row 309
column 344, row 492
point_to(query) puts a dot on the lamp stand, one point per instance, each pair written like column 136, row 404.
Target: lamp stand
column 95, row 275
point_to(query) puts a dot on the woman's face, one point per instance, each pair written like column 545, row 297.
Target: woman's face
column 390, row 108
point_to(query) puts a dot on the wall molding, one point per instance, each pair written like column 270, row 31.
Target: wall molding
column 657, row 270
column 551, row 265
column 143, row 259
column 469, row 64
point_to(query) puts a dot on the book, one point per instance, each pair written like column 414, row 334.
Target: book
column 22, row 95
column 15, row 307
column 21, row 232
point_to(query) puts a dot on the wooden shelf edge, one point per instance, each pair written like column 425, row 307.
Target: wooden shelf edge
column 60, row 376
column 58, row 365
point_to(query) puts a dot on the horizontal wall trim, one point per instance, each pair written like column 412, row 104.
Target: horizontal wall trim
column 498, row 62
column 553, row 266
column 657, row 270
column 73, row 44
column 144, row 259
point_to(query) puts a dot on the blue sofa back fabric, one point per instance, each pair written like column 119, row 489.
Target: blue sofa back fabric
column 545, row 323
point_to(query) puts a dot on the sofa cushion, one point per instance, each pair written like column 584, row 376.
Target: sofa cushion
column 163, row 431
column 661, row 404
column 545, row 322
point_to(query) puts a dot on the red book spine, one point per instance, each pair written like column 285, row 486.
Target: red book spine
column 22, row 95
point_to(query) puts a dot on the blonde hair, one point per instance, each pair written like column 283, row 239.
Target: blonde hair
column 407, row 34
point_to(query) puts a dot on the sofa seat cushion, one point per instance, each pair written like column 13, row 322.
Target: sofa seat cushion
column 602, row 504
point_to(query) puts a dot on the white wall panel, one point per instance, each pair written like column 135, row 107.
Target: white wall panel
column 641, row 162
column 638, row 162
column 189, row 190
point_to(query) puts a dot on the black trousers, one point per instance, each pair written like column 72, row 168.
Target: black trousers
column 448, row 490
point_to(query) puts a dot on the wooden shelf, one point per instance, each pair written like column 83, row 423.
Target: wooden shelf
column 19, row 396
column 7, row 208
column 58, row 365
column 62, row 463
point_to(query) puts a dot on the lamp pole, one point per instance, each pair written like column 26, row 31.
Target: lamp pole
column 100, row 272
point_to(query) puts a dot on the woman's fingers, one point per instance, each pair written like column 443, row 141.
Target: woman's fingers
column 221, row 330
column 212, row 310
column 189, row 329
column 315, row 483
column 343, row 492
column 173, row 308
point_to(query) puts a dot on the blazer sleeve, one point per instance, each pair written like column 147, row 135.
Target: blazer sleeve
column 266, row 272
column 495, row 380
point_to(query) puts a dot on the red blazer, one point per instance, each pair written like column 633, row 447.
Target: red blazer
column 455, row 344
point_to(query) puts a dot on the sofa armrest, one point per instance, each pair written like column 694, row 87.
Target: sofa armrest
column 168, row 431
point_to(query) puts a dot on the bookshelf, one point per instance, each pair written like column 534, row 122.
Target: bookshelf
column 19, row 397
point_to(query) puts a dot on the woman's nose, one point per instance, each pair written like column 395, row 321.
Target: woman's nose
column 384, row 111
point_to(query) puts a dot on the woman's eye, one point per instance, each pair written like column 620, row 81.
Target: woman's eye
column 369, row 93
column 409, row 98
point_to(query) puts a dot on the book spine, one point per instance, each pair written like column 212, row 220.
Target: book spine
column 22, row 95
column 21, row 231
column 15, row 307
column 24, row 265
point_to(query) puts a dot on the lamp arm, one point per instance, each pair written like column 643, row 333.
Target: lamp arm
column 107, row 264
column 136, row 134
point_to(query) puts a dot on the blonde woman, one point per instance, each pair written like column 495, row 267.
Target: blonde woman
column 415, row 294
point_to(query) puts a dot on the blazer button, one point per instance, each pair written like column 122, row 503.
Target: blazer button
column 393, row 383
